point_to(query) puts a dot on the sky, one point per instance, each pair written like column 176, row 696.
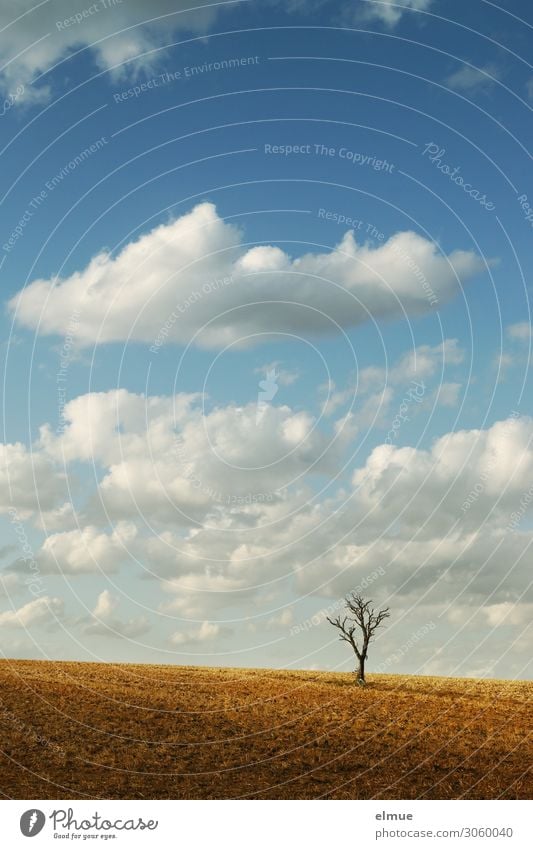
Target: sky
column 266, row 332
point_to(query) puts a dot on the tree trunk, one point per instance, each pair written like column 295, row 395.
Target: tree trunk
column 360, row 673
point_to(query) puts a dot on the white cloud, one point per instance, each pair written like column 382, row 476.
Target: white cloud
column 28, row 481
column 99, row 426
column 207, row 632
column 448, row 394
column 168, row 459
column 10, row 583
column 36, row 612
column 420, row 484
column 407, row 506
column 106, row 604
column 37, row 36
column 62, row 518
column 86, row 550
column 438, row 519
column 503, row 362
column 283, row 376
column 105, row 623
column 281, row 620
column 207, row 592
column 335, row 398
column 508, row 613
column 418, row 365
column 375, row 411
column 468, row 79
column 521, row 331
column 441, row 521
column 194, row 276
column 421, row 363
column 389, row 12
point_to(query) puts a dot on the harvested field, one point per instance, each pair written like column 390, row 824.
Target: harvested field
column 75, row 730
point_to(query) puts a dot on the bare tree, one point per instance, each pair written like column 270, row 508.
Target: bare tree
column 362, row 617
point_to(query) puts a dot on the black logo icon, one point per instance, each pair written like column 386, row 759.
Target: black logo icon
column 32, row 822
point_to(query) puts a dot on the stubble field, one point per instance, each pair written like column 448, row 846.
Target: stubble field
column 76, row 730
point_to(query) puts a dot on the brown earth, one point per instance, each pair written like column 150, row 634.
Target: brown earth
column 75, row 730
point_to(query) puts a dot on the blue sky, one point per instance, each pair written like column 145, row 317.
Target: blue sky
column 266, row 331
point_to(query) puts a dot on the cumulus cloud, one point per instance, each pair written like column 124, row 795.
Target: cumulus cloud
column 282, row 619
column 439, row 521
column 36, row 612
column 195, row 277
column 10, row 583
column 447, row 521
column 208, row 591
column 104, row 622
column 62, row 518
column 508, row 613
column 468, row 79
column 29, row 481
column 282, row 376
column 86, row 550
column 121, row 37
column 168, row 459
column 421, row 363
column 448, row 394
column 417, row 365
column 416, row 485
column 421, row 511
column 389, row 12
column 433, row 571
column 207, row 632
column 521, row 331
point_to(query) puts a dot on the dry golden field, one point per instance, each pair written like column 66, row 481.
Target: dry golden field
column 71, row 730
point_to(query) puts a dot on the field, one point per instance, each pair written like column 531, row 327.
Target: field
column 75, row 730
